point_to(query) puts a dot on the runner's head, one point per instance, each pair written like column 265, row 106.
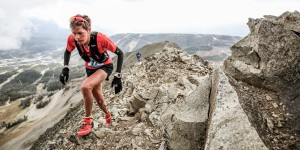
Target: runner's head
column 81, row 28
column 80, row 20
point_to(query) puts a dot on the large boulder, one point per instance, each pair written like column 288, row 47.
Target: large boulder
column 265, row 71
column 185, row 122
column 228, row 127
column 269, row 56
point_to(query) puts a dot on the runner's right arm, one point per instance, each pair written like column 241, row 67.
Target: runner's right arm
column 64, row 76
column 67, row 57
column 70, row 47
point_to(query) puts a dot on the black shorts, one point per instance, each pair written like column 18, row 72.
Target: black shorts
column 107, row 68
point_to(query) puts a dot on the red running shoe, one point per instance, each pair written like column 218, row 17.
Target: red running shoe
column 108, row 119
column 86, row 126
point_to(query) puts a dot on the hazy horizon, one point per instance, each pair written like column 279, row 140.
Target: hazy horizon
column 136, row 16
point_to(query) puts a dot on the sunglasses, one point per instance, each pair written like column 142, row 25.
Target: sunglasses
column 78, row 19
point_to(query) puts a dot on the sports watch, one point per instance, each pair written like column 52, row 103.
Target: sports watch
column 118, row 75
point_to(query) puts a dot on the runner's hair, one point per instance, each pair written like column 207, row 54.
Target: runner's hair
column 85, row 25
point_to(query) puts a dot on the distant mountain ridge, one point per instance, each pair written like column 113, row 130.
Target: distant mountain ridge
column 49, row 43
column 133, row 41
column 209, row 46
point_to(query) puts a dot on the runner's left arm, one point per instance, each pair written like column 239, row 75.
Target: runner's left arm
column 106, row 43
column 120, row 59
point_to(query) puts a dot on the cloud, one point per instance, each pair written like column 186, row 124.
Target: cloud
column 15, row 25
column 13, row 30
column 138, row 16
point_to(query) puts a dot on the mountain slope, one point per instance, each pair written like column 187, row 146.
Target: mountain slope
column 209, row 47
column 166, row 103
column 41, row 119
column 137, row 109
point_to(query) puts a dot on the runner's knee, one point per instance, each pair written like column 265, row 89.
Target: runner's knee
column 86, row 87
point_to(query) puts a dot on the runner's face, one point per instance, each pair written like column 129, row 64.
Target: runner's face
column 81, row 35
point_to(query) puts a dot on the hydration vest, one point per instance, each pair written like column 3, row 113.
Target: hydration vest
column 94, row 52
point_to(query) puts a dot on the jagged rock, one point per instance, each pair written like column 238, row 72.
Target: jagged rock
column 138, row 102
column 255, row 58
column 290, row 19
column 229, row 127
column 153, row 93
column 172, row 91
column 193, row 79
column 265, row 71
column 186, row 121
column 184, row 58
column 149, row 107
column 189, row 87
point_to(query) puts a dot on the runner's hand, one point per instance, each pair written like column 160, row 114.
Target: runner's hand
column 64, row 76
column 117, row 83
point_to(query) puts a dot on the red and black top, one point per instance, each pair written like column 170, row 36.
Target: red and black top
column 98, row 51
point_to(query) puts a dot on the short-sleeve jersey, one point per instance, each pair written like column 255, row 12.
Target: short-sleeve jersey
column 103, row 44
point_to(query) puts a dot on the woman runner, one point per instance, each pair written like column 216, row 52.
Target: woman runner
column 92, row 47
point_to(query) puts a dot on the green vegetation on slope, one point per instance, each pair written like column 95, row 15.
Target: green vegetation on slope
column 5, row 76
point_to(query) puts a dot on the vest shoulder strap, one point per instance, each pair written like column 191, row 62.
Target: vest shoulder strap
column 95, row 50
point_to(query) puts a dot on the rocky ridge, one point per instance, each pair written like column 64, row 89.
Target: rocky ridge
column 161, row 86
column 265, row 71
column 171, row 101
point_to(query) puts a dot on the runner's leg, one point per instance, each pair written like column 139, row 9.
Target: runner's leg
column 98, row 94
column 86, row 89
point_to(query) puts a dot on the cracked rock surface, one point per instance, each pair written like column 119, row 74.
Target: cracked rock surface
column 265, row 71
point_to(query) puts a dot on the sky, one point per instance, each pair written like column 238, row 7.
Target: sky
column 227, row 17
